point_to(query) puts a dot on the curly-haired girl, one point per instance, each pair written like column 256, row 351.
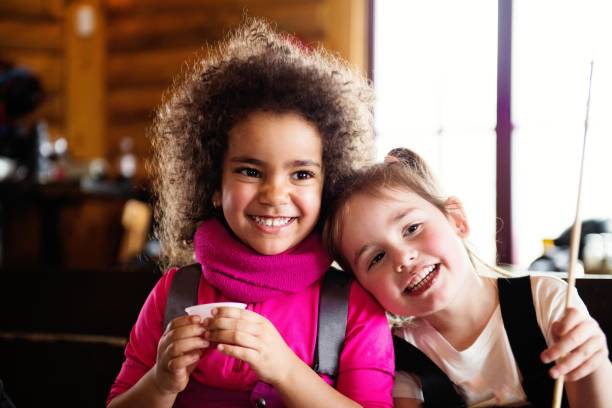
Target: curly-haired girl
column 247, row 147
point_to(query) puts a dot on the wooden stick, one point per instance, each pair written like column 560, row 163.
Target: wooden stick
column 574, row 242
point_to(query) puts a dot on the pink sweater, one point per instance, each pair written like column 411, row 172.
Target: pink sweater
column 366, row 366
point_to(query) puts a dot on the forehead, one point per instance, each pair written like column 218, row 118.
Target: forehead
column 384, row 198
column 368, row 213
column 268, row 132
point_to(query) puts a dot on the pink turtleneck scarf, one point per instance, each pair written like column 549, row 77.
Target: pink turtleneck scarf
column 243, row 274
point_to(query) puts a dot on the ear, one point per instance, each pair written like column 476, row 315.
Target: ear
column 456, row 216
column 216, row 199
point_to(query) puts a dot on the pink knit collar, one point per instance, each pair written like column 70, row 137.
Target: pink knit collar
column 242, row 274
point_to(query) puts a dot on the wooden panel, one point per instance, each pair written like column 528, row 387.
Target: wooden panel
column 126, row 103
column 52, row 108
column 148, row 67
column 99, row 225
column 167, row 30
column 47, row 66
column 135, row 129
column 307, row 20
column 126, row 6
column 347, row 31
column 30, row 35
column 86, row 82
column 32, row 8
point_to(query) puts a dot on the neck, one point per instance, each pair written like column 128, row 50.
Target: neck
column 462, row 321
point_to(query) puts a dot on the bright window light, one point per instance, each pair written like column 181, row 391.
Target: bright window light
column 552, row 52
column 435, row 73
column 435, row 78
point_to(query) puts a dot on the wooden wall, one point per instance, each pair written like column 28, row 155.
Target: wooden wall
column 31, row 36
column 105, row 63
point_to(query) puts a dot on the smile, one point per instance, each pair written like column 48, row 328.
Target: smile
column 424, row 281
column 272, row 221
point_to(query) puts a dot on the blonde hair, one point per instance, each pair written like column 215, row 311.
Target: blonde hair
column 402, row 170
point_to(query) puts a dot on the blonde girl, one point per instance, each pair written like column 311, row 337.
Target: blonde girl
column 468, row 337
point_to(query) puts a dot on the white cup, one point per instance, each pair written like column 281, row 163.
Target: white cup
column 204, row 310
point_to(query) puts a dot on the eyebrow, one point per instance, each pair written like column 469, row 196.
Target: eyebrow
column 257, row 162
column 400, row 214
column 360, row 252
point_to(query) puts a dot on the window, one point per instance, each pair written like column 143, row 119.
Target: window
column 435, row 73
column 435, row 80
column 551, row 65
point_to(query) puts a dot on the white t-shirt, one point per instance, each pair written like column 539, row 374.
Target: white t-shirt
column 485, row 373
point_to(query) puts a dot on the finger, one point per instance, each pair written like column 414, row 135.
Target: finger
column 588, row 367
column 236, row 313
column 183, row 332
column 233, row 337
column 183, row 361
column 242, row 353
column 183, row 321
column 178, row 348
column 568, row 342
column 225, row 323
column 571, row 319
column 576, row 358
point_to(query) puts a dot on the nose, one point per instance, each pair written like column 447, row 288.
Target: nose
column 403, row 258
column 274, row 191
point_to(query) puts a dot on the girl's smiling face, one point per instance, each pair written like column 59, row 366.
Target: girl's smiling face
column 405, row 251
column 272, row 180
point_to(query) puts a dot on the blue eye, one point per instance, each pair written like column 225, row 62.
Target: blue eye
column 303, row 175
column 249, row 172
column 377, row 258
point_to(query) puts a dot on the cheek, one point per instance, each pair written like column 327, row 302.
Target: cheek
column 309, row 201
column 234, row 199
column 377, row 284
column 451, row 248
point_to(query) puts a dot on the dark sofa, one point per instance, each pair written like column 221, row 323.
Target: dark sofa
column 62, row 333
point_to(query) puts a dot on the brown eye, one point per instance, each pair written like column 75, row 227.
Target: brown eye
column 303, row 175
column 411, row 229
column 377, row 258
column 249, row 172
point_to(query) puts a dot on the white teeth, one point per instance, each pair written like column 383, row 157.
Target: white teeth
column 421, row 276
column 272, row 221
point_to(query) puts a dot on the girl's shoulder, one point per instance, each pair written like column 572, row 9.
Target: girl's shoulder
column 361, row 301
column 366, row 325
column 547, row 282
column 542, row 286
column 548, row 296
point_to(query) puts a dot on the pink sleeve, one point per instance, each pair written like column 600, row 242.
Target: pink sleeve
column 141, row 350
column 367, row 362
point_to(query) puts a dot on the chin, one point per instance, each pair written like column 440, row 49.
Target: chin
column 273, row 249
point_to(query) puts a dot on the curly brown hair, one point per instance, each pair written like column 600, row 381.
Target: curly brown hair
column 253, row 69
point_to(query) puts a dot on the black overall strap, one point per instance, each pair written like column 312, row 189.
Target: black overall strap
column 526, row 339
column 333, row 313
column 438, row 390
column 183, row 292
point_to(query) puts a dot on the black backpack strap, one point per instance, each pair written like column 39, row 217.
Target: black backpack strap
column 183, row 292
column 333, row 312
column 5, row 401
column 438, row 390
column 526, row 339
